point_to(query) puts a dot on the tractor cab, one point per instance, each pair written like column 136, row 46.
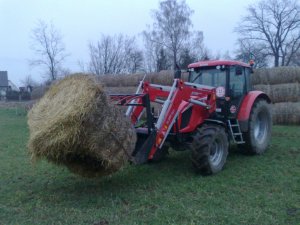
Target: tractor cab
column 231, row 80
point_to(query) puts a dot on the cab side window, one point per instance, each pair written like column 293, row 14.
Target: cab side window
column 248, row 76
column 237, row 81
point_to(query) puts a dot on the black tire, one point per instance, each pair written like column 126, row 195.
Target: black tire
column 258, row 137
column 209, row 149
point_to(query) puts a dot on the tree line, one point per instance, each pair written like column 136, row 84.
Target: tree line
column 269, row 34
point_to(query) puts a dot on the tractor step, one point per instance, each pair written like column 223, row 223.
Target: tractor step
column 235, row 131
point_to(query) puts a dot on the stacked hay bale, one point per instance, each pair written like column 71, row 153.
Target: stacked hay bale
column 164, row 77
column 75, row 125
column 282, row 84
column 281, row 92
column 279, row 75
column 286, row 113
column 131, row 81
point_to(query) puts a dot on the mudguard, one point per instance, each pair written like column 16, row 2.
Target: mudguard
column 246, row 106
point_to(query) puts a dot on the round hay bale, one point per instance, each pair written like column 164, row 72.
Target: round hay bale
column 281, row 92
column 277, row 75
column 287, row 113
column 75, row 125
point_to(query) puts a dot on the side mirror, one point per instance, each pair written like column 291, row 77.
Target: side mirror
column 177, row 74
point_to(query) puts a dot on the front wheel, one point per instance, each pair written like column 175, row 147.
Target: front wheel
column 209, row 149
column 258, row 136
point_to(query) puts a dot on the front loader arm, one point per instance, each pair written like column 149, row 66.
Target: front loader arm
column 180, row 93
column 174, row 100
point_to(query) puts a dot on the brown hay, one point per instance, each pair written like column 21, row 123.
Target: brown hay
column 278, row 75
column 287, row 113
column 75, row 125
column 281, row 92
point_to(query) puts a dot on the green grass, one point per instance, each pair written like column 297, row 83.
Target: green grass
column 250, row 190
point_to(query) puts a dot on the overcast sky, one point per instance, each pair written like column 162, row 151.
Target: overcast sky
column 81, row 21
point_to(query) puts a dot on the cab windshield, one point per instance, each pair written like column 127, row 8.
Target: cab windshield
column 211, row 76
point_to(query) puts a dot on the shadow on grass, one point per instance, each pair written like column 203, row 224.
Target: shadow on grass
column 130, row 177
column 133, row 178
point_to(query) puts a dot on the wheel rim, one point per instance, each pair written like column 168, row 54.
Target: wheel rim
column 261, row 127
column 216, row 153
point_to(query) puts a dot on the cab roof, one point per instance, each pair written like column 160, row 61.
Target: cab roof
column 217, row 63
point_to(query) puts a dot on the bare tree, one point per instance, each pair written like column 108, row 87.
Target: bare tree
column 171, row 27
column 249, row 50
column 49, row 48
column 274, row 24
column 186, row 58
column 82, row 65
column 155, row 54
column 296, row 59
column 162, row 62
column 227, row 56
column 196, row 46
column 29, row 81
column 135, row 61
column 114, row 55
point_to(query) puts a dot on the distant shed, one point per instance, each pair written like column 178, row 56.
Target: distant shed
column 3, row 79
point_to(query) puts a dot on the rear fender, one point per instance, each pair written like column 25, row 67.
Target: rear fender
column 246, row 106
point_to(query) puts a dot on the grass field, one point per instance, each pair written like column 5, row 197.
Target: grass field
column 251, row 189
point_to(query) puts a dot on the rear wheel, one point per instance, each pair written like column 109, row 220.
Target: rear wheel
column 209, row 149
column 258, row 136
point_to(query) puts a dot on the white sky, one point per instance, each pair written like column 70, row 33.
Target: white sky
column 81, row 21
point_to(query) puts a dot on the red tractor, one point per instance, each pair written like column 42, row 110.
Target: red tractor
column 215, row 107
